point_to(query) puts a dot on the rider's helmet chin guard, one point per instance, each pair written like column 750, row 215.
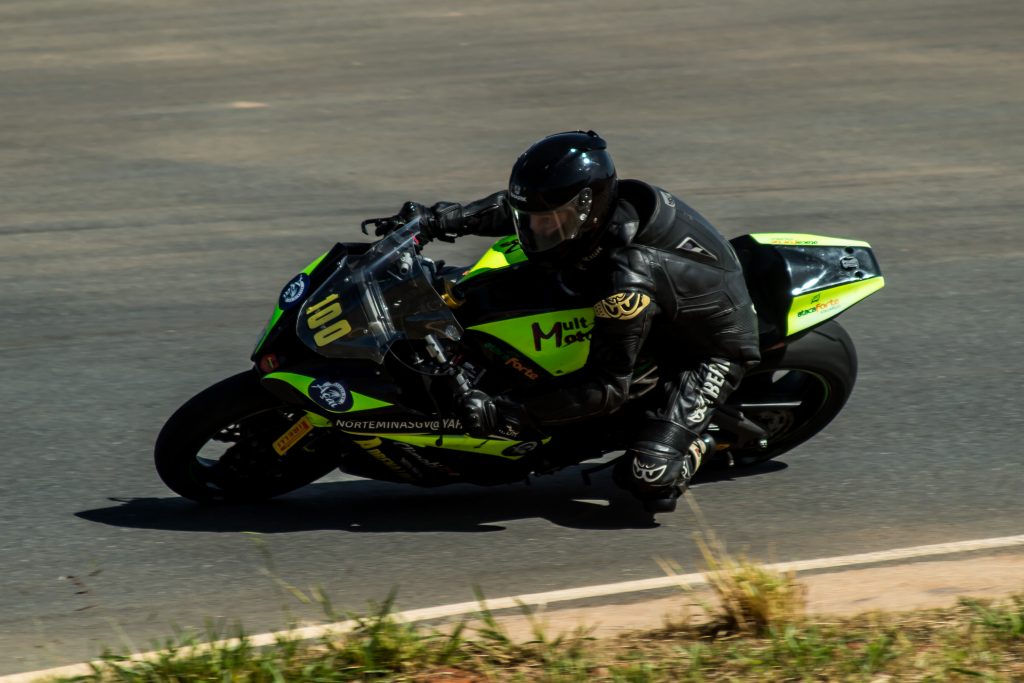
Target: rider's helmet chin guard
column 561, row 191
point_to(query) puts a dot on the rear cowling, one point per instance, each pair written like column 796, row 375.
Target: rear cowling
column 800, row 281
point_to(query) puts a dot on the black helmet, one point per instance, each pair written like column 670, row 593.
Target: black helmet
column 562, row 190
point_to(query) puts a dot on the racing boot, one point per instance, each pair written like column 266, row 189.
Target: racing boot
column 658, row 474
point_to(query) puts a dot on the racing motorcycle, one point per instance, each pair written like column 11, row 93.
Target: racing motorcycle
column 368, row 348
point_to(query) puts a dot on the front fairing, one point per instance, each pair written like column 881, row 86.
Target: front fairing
column 291, row 297
column 371, row 301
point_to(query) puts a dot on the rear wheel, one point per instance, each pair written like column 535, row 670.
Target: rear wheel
column 219, row 445
column 794, row 393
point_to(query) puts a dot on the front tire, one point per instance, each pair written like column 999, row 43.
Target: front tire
column 218, row 446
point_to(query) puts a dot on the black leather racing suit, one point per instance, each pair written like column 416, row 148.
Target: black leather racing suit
column 661, row 275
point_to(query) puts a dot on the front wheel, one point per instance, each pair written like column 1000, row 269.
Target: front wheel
column 794, row 393
column 219, row 445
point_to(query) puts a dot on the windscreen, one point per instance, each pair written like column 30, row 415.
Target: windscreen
column 375, row 299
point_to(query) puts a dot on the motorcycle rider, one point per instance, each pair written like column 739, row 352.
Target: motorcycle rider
column 657, row 272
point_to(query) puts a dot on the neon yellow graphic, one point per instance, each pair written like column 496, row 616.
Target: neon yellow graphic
column 810, row 309
column 558, row 342
column 504, row 252
column 301, row 382
column 793, row 239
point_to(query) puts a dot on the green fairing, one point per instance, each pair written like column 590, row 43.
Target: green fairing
column 817, row 307
column 558, row 342
column 360, row 402
column 276, row 315
column 505, row 252
column 459, row 443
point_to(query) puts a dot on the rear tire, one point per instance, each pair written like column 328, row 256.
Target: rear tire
column 818, row 369
column 244, row 419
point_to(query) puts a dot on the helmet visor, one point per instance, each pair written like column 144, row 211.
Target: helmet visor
column 543, row 230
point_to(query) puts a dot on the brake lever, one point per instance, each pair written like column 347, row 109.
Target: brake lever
column 376, row 222
column 386, row 225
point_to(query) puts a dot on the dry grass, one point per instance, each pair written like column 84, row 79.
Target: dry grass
column 753, row 599
column 758, row 631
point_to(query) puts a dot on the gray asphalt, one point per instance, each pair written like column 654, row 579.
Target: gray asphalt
column 166, row 167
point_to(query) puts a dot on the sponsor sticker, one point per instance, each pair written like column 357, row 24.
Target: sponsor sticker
column 521, row 367
column 294, row 292
column 562, row 333
column 788, row 241
column 400, row 426
column 818, row 306
column 331, row 394
column 293, row 435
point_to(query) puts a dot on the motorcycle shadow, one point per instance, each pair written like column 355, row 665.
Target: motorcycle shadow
column 364, row 506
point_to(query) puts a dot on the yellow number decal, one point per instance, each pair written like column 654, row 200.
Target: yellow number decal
column 332, row 333
column 321, row 314
column 324, row 316
column 316, row 307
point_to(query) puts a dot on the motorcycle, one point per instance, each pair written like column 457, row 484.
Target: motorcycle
column 369, row 346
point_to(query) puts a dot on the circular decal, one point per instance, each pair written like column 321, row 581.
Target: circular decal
column 293, row 292
column 331, row 394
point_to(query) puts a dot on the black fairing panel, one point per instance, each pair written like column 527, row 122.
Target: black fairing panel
column 777, row 273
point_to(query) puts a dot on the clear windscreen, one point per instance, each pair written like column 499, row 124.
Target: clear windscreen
column 375, row 299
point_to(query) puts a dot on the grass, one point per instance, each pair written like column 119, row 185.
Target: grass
column 757, row 632
column 754, row 600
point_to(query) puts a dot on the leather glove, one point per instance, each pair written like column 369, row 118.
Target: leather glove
column 478, row 413
column 442, row 221
column 483, row 416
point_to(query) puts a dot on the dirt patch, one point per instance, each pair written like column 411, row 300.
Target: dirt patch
column 919, row 585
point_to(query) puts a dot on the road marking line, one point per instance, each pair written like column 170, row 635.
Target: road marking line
column 534, row 599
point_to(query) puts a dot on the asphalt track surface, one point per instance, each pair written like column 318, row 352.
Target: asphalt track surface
column 166, row 167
